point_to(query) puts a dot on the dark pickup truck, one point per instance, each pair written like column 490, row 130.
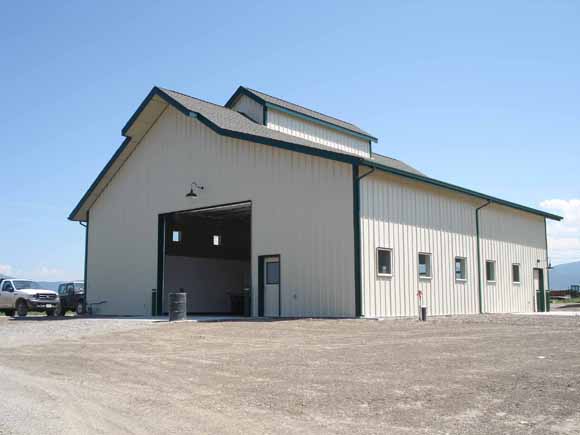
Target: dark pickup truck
column 72, row 297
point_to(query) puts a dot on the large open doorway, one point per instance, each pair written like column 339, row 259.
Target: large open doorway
column 207, row 253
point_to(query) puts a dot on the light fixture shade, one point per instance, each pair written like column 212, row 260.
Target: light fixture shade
column 191, row 194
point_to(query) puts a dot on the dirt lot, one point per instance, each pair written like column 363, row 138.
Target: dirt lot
column 472, row 375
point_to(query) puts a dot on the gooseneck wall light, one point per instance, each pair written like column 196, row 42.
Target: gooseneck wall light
column 191, row 193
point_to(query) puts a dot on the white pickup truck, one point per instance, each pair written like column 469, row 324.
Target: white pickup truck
column 22, row 295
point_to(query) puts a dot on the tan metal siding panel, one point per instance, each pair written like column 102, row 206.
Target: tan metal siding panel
column 329, row 137
column 250, row 108
column 301, row 209
column 509, row 236
column 411, row 217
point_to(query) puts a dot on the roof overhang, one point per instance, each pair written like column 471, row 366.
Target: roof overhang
column 459, row 189
column 243, row 91
column 157, row 102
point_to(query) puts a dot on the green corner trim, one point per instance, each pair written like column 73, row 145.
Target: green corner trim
column 357, row 240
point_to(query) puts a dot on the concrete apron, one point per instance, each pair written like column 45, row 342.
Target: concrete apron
column 552, row 313
column 166, row 318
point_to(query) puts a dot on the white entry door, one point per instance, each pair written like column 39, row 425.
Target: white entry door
column 272, row 286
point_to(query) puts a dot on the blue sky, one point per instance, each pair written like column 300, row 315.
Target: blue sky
column 482, row 95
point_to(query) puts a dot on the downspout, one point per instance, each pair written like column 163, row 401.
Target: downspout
column 548, row 267
column 357, row 236
column 479, row 286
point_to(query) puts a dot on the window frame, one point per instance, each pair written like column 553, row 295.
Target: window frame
column 390, row 251
column 494, row 280
column 464, row 279
column 429, row 269
column 519, row 281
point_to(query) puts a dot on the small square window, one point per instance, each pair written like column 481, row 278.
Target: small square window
column 273, row 272
column 384, row 262
column 217, row 240
column 424, row 265
column 490, row 271
column 516, row 273
column 460, row 268
column 176, row 236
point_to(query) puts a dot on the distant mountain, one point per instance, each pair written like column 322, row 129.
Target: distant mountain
column 564, row 275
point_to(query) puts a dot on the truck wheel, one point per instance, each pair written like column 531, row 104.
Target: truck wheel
column 21, row 308
column 9, row 313
column 51, row 313
column 62, row 310
column 79, row 309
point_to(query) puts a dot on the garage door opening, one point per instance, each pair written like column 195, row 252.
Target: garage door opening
column 207, row 253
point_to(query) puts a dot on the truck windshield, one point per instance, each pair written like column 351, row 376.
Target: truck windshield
column 26, row 284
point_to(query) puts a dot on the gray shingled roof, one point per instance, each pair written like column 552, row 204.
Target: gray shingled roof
column 394, row 163
column 232, row 120
column 308, row 112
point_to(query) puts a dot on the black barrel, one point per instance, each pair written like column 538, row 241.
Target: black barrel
column 177, row 306
column 423, row 313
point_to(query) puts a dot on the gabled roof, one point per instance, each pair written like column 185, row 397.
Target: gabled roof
column 230, row 122
column 227, row 122
column 295, row 109
column 220, row 119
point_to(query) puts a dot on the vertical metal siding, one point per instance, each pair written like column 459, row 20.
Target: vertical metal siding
column 301, row 209
column 508, row 237
column 316, row 133
column 250, row 108
column 410, row 217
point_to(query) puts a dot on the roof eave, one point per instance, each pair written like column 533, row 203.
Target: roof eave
column 245, row 91
column 290, row 146
column 463, row 190
column 73, row 215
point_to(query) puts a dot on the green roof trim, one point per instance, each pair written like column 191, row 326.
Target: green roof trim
column 463, row 190
column 323, row 153
column 99, row 177
column 269, row 104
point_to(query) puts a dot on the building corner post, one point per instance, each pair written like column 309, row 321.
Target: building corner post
column 160, row 262
column 356, row 227
column 477, row 235
column 356, row 178
column 86, row 263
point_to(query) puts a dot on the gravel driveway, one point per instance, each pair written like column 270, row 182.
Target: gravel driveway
column 470, row 375
column 37, row 330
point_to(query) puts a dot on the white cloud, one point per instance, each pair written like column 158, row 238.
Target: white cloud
column 564, row 236
column 5, row 269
